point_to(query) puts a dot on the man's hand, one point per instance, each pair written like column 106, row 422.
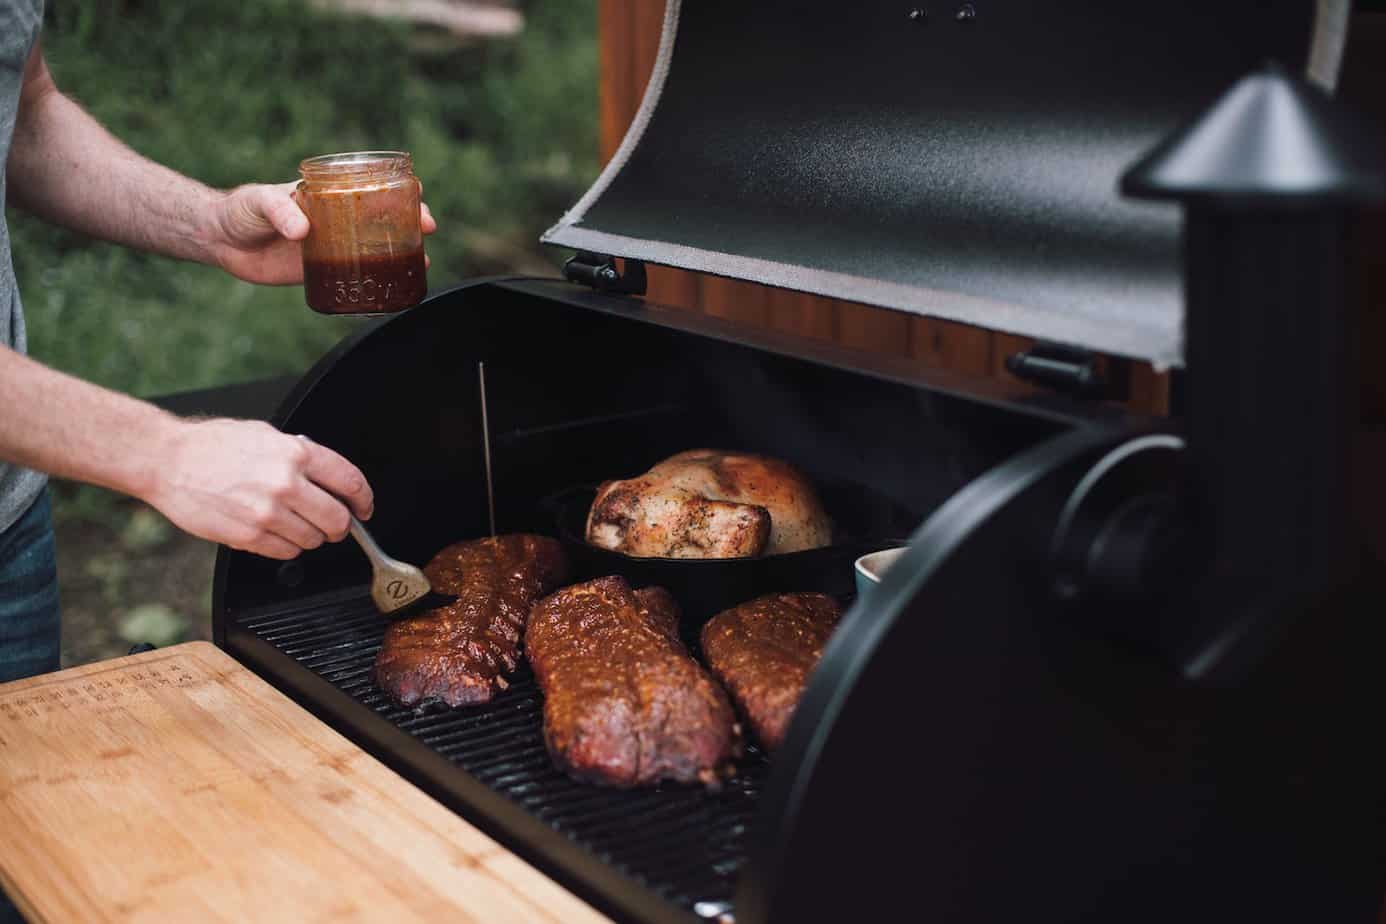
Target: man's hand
column 247, row 485
column 238, row 482
column 257, row 230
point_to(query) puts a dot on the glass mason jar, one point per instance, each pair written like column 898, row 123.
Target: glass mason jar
column 364, row 251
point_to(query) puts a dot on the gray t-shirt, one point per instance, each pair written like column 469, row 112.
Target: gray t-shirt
column 19, row 27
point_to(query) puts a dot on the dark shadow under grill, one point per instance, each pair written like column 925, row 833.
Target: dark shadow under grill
column 683, row 843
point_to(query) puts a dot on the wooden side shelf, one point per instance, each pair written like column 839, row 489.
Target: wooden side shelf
column 177, row 786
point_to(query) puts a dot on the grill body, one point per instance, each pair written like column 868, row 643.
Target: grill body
column 689, row 844
column 610, row 387
column 960, row 708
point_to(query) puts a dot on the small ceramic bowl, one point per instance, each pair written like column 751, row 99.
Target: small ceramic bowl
column 870, row 568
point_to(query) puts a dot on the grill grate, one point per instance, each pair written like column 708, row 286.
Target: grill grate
column 684, row 843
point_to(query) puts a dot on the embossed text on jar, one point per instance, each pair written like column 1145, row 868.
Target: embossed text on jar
column 364, row 252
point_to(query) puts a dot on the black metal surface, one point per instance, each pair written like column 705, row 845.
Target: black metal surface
column 890, row 650
column 255, row 400
column 600, row 272
column 1042, row 773
column 1270, row 176
column 1121, row 543
column 1034, row 769
column 978, row 159
column 584, row 387
column 1269, row 136
column 1065, row 368
column 683, row 844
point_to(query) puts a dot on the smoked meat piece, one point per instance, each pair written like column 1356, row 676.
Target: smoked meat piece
column 708, row 503
column 624, row 703
column 457, row 654
column 763, row 652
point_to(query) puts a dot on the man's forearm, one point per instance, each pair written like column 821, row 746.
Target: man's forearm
column 67, row 169
column 61, row 425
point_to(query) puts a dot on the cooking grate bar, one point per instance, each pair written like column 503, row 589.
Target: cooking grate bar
column 363, row 625
column 683, row 843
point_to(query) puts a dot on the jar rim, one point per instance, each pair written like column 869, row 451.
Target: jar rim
column 355, row 162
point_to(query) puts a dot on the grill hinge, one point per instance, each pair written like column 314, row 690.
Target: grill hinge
column 1071, row 370
column 599, row 271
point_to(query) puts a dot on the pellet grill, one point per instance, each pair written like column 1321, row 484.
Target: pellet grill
column 1128, row 670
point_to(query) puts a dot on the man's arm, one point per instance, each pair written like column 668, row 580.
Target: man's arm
column 241, row 483
column 65, row 168
column 238, row 482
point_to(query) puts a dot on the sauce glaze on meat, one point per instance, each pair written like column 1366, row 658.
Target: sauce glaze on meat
column 624, row 703
column 763, row 652
column 458, row 654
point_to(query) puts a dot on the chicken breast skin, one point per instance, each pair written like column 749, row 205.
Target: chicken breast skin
column 708, row 503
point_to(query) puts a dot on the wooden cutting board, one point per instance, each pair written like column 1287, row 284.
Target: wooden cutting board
column 177, row 786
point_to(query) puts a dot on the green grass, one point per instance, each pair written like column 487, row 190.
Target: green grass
column 503, row 136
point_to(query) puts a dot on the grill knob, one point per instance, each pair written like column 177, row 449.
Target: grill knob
column 1123, row 547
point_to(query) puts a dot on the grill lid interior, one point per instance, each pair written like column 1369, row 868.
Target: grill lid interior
column 952, row 166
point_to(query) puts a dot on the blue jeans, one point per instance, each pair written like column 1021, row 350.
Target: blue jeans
column 28, row 610
column 29, row 595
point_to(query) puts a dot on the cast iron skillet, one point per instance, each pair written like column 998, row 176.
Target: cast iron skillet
column 706, row 586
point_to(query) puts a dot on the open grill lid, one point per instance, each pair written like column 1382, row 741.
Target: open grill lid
column 957, row 160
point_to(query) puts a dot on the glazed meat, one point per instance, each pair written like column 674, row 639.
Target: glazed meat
column 624, row 703
column 706, row 503
column 763, row 652
column 458, row 654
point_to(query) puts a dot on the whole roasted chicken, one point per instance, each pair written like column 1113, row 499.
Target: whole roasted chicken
column 708, row 503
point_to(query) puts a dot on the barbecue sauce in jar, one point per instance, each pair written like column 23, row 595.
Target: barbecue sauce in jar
column 364, row 250
column 375, row 285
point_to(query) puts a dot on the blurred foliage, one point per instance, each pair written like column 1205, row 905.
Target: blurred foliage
column 503, row 135
column 156, row 623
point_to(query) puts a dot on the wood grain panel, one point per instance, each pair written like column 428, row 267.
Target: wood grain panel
column 178, row 786
column 734, row 300
column 673, row 287
column 649, row 26
column 877, row 330
column 616, row 97
column 629, row 34
column 1149, row 390
column 948, row 345
column 803, row 315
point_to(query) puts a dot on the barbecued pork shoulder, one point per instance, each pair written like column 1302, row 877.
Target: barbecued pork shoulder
column 763, row 652
column 706, row 503
column 624, row 702
column 458, row 654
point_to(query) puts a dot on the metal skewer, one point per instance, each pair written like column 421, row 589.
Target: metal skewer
column 486, row 447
